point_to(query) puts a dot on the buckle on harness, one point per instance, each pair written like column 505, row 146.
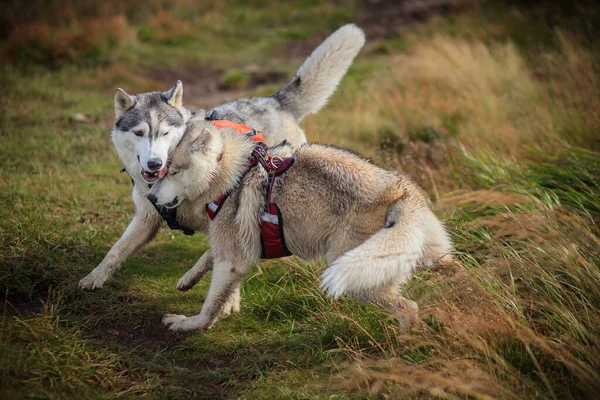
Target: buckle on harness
column 275, row 162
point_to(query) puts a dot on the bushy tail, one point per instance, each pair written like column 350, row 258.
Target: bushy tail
column 321, row 72
column 389, row 256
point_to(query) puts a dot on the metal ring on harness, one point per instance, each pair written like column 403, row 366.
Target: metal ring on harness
column 275, row 161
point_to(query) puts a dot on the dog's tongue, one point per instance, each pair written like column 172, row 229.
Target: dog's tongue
column 162, row 173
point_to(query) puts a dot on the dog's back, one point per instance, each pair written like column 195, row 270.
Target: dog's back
column 332, row 195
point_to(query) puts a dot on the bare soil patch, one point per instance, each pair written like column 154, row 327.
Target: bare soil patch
column 201, row 83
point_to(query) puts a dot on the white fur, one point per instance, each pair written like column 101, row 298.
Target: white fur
column 438, row 245
column 159, row 147
column 234, row 303
column 373, row 264
column 322, row 71
column 170, row 191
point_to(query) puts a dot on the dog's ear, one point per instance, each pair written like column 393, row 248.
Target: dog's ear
column 175, row 96
column 123, row 102
column 199, row 115
column 203, row 142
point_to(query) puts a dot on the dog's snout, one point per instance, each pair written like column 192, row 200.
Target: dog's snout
column 152, row 198
column 154, row 164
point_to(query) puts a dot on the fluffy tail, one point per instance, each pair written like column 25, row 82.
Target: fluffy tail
column 321, row 72
column 389, row 256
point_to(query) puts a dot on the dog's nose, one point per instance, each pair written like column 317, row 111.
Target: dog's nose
column 154, row 164
column 152, row 198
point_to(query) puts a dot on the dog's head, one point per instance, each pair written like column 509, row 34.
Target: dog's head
column 192, row 166
column 148, row 127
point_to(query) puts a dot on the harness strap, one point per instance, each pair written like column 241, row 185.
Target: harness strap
column 170, row 217
column 214, row 207
column 271, row 227
column 240, row 128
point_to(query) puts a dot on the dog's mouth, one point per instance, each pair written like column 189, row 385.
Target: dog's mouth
column 153, row 176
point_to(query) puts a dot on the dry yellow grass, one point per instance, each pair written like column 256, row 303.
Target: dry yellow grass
column 74, row 39
column 487, row 90
column 521, row 315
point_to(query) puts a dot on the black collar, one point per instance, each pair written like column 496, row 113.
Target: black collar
column 170, row 217
column 168, row 214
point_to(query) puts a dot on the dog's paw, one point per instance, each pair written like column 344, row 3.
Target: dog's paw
column 170, row 319
column 181, row 323
column 333, row 282
column 94, row 280
column 185, row 283
column 408, row 315
column 232, row 306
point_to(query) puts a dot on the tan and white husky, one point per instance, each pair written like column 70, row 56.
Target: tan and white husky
column 373, row 226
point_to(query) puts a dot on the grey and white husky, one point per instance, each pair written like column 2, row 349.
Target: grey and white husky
column 150, row 125
column 373, row 226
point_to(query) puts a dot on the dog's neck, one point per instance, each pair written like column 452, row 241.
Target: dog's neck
column 234, row 162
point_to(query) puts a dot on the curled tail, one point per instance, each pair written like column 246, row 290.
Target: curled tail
column 387, row 257
column 321, row 72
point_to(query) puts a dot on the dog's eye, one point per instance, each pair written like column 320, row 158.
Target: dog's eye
column 174, row 173
column 165, row 134
column 138, row 133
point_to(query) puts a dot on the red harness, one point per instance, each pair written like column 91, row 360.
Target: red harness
column 271, row 226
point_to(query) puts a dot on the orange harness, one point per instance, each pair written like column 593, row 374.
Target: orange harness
column 240, row 128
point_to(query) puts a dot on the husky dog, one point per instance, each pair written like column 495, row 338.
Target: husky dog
column 372, row 225
column 150, row 125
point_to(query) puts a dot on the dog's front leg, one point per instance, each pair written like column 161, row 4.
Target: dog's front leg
column 141, row 230
column 226, row 280
column 193, row 276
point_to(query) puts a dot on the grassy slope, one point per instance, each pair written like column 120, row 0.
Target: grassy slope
column 499, row 131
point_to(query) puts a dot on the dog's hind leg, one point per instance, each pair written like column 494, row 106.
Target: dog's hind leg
column 389, row 255
column 141, row 230
column 388, row 297
column 226, row 279
column 193, row 276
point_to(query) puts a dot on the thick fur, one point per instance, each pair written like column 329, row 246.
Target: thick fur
column 318, row 77
column 373, row 226
column 150, row 125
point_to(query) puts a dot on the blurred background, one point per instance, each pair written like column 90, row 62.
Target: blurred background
column 493, row 107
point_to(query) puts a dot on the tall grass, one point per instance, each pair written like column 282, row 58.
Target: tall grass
column 497, row 137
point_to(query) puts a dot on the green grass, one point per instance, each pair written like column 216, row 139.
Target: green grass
column 496, row 119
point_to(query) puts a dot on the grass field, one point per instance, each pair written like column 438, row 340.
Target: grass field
column 493, row 109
